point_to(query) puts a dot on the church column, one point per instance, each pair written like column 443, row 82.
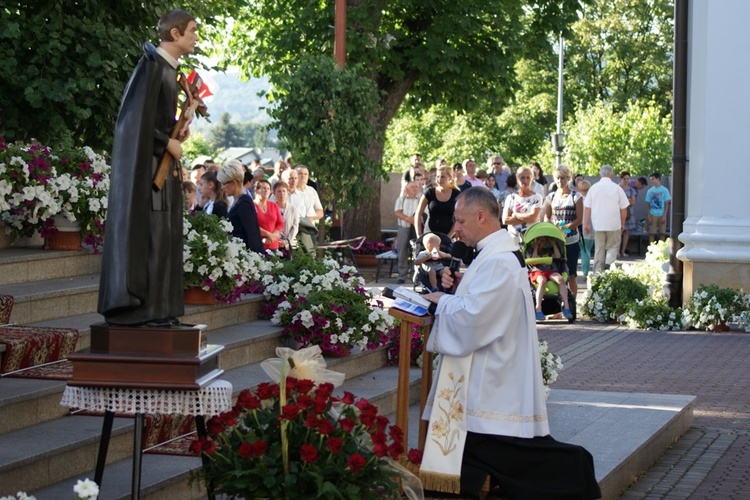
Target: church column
column 716, row 232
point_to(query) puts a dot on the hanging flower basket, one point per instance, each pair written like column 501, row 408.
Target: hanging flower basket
column 196, row 296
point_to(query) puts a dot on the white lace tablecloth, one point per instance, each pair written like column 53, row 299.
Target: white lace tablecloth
column 210, row 400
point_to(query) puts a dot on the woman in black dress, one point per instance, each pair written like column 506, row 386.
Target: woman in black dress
column 440, row 202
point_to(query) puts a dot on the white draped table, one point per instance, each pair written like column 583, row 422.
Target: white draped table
column 211, row 400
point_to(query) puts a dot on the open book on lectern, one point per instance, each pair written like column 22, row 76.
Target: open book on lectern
column 409, row 301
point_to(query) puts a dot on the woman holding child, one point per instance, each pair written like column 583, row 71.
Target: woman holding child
column 440, row 202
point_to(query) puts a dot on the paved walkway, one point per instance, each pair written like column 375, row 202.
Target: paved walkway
column 712, row 460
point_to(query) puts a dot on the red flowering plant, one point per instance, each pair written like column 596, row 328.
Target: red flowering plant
column 370, row 248
column 297, row 440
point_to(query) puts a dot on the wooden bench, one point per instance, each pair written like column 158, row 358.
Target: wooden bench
column 390, row 257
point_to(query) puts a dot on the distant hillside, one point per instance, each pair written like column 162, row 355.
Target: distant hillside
column 239, row 99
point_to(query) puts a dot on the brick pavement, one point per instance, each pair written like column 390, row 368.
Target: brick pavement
column 712, row 460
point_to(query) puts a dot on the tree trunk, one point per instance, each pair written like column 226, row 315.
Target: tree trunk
column 365, row 218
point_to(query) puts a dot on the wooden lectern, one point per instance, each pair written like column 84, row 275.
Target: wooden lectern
column 404, row 363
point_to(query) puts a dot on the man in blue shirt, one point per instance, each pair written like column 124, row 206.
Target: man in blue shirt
column 658, row 200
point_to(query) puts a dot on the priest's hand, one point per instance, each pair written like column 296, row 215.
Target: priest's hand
column 434, row 297
column 448, row 279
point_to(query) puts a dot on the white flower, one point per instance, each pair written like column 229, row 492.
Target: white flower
column 86, row 489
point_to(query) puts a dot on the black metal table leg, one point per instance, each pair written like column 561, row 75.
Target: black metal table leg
column 200, row 427
column 101, row 458
column 135, row 490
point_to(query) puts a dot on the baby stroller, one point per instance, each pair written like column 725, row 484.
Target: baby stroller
column 421, row 278
column 552, row 302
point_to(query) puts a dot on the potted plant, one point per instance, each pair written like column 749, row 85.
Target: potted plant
column 215, row 263
column 294, row 439
column 711, row 308
column 366, row 252
column 42, row 190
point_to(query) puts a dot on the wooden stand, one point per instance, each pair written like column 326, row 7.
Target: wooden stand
column 404, row 364
column 176, row 357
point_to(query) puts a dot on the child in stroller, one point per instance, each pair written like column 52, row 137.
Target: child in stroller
column 430, row 259
column 548, row 270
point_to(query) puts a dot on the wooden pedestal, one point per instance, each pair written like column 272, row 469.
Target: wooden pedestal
column 147, row 358
column 404, row 367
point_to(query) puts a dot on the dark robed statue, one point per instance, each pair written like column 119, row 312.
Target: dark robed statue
column 141, row 279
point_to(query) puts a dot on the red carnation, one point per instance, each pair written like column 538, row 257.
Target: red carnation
column 320, row 405
column 379, row 437
column 291, row 383
column 246, row 450
column 267, row 391
column 380, row 450
column 325, row 427
column 324, row 390
column 396, row 449
column 365, row 406
column 304, row 386
column 311, row 421
column 215, row 426
column 290, row 412
column 304, row 401
column 348, row 398
column 308, row 453
column 202, row 445
column 356, row 462
column 259, row 448
column 334, row 444
column 415, row 456
column 396, row 433
column 248, row 401
column 347, row 424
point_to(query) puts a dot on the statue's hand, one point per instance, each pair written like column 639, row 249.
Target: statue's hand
column 174, row 148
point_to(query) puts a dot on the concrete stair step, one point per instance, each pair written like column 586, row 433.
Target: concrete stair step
column 167, row 476
column 27, row 402
column 24, row 265
column 53, row 298
column 625, row 432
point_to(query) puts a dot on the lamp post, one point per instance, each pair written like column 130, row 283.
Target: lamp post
column 558, row 138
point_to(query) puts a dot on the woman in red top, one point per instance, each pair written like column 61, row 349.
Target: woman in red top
column 270, row 219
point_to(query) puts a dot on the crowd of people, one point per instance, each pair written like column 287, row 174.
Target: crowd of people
column 596, row 217
column 274, row 213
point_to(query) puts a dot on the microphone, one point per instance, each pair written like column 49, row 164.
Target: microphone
column 458, row 252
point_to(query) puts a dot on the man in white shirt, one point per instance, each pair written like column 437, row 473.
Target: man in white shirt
column 470, row 167
column 305, row 209
column 604, row 209
column 303, row 175
column 405, row 208
column 487, row 408
column 278, row 168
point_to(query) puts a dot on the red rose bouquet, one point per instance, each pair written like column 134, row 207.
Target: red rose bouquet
column 297, row 440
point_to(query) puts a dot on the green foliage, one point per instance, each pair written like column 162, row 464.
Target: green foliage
column 324, row 114
column 637, row 140
column 611, row 293
column 66, row 63
column 196, row 145
column 225, row 134
column 620, row 51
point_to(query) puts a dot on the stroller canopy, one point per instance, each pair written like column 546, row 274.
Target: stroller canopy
column 540, row 229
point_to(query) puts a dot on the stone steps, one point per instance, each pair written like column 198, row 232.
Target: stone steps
column 26, row 265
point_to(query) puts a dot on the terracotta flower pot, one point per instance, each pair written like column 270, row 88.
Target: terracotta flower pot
column 196, row 296
column 364, row 260
column 68, row 235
